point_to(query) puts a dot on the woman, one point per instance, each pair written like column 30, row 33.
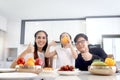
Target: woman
column 40, row 45
column 66, row 54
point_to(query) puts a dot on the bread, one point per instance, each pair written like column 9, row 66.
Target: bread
column 48, row 68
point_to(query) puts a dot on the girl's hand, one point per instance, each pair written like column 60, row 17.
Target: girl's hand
column 69, row 44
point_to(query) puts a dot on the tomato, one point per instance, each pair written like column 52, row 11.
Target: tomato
column 21, row 61
column 38, row 61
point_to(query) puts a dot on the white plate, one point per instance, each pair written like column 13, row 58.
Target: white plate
column 75, row 72
column 2, row 70
column 16, row 76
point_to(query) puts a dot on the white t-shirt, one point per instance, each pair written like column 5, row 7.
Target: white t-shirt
column 64, row 57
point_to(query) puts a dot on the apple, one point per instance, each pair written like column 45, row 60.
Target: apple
column 38, row 61
column 21, row 61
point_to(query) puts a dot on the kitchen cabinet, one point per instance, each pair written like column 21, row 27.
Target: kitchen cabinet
column 3, row 23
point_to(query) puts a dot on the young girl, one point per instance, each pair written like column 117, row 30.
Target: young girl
column 66, row 54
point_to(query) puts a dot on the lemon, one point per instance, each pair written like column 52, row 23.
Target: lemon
column 110, row 62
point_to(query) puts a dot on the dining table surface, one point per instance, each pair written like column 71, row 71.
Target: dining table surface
column 54, row 75
column 82, row 75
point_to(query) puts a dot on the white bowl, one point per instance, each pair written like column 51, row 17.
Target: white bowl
column 102, row 70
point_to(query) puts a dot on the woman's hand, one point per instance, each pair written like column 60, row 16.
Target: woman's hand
column 30, row 48
column 53, row 43
column 49, row 53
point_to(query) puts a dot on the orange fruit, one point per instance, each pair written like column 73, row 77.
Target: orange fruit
column 31, row 59
column 64, row 40
column 110, row 62
column 30, row 63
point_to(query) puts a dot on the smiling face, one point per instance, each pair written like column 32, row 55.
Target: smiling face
column 41, row 39
column 82, row 44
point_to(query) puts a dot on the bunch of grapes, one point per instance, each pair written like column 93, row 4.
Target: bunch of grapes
column 66, row 68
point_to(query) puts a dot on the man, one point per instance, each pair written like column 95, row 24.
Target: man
column 87, row 55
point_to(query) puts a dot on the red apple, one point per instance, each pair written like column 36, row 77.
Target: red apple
column 21, row 61
column 38, row 61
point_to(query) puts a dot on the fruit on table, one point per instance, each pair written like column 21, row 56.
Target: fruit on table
column 31, row 59
column 110, row 62
column 21, row 61
column 66, row 68
column 107, row 62
column 30, row 62
column 64, row 40
column 48, row 68
column 38, row 61
column 21, row 64
column 98, row 63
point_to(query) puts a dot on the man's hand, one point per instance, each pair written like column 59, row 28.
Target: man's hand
column 86, row 55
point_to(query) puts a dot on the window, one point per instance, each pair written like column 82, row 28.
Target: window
column 54, row 27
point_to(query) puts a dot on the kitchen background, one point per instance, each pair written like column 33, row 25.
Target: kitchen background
column 94, row 20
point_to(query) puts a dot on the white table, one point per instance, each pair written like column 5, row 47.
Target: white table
column 83, row 75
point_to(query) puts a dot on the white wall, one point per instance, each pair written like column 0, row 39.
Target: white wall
column 3, row 23
column 2, row 44
column 13, row 33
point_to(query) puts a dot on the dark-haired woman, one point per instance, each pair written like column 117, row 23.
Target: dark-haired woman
column 38, row 50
